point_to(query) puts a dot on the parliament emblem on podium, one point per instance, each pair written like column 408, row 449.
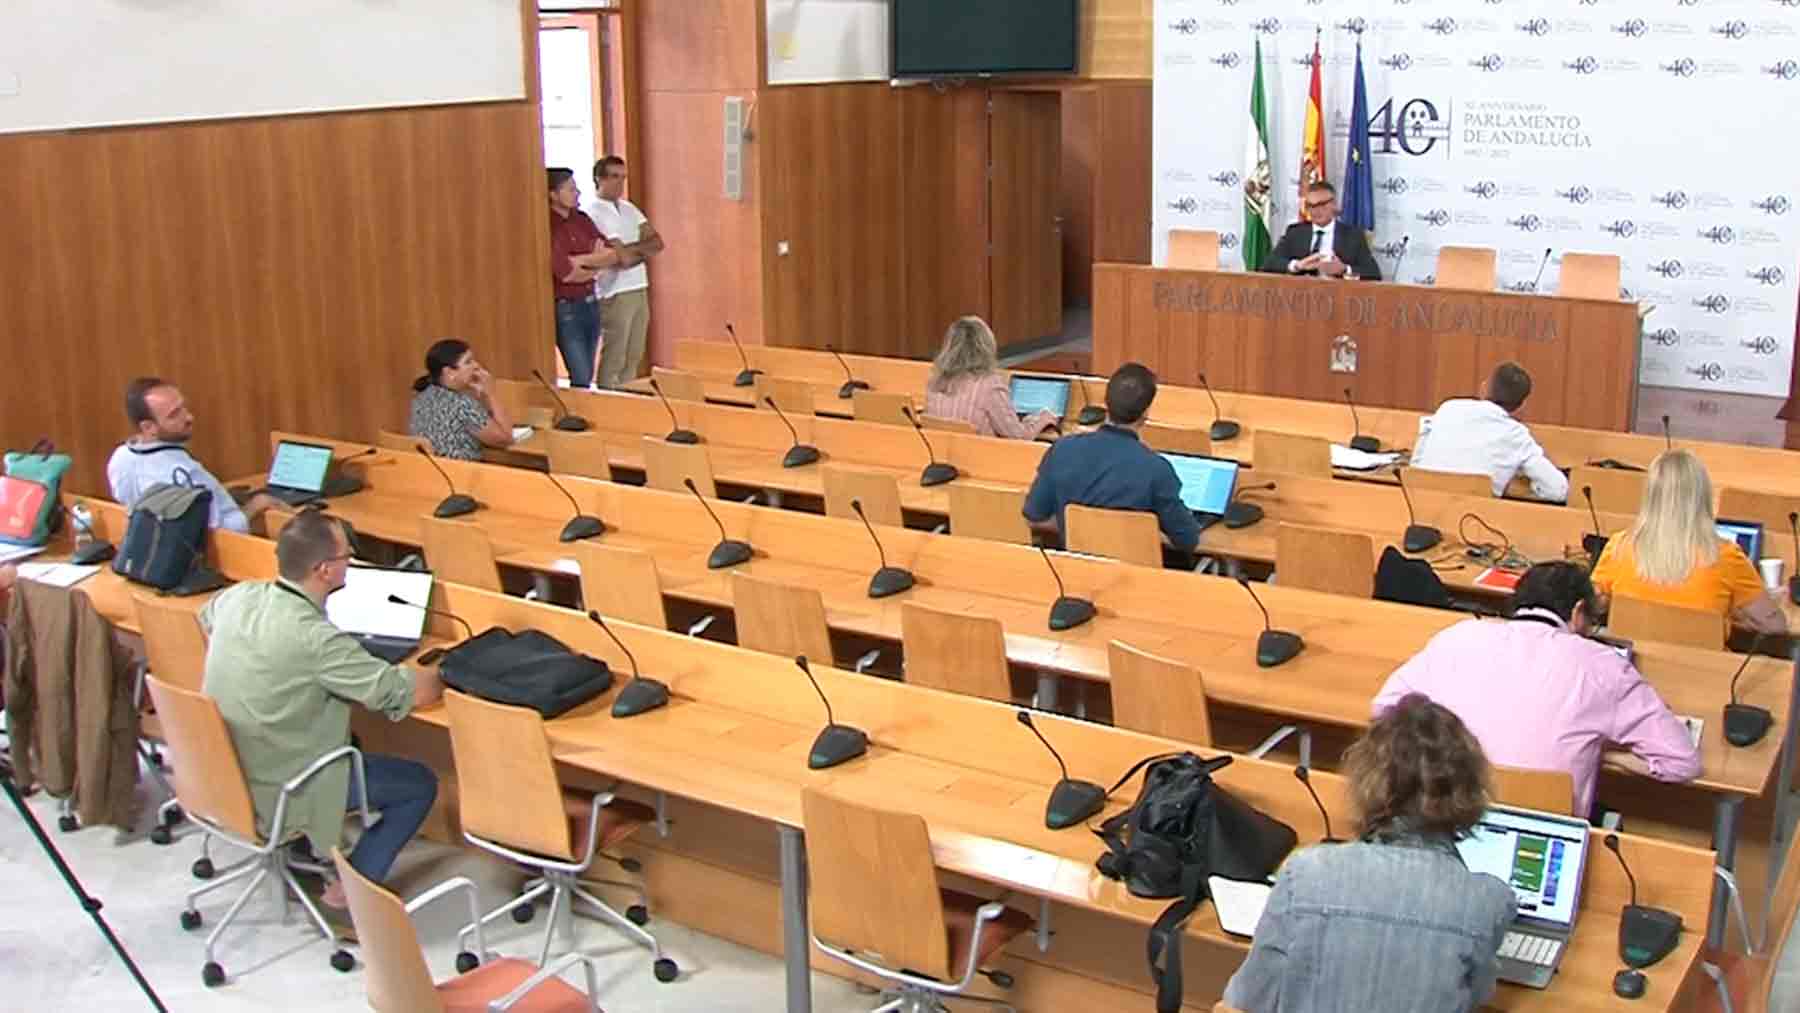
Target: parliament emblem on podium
column 1343, row 354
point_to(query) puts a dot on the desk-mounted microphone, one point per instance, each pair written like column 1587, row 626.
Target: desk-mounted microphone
column 1646, row 934
column 339, row 484
column 889, row 580
column 1746, row 724
column 581, row 525
column 746, row 376
column 936, row 472
column 1400, row 258
column 836, row 743
column 1794, row 580
column 1071, row 802
column 431, row 657
column 800, row 454
column 1066, row 612
column 454, row 505
column 1418, row 537
column 677, row 434
column 1366, row 444
column 566, row 421
column 638, row 695
column 1595, row 543
column 1273, row 647
column 1304, row 775
column 1668, row 435
column 1222, row 428
column 1091, row 414
column 729, row 551
column 851, row 383
column 1240, row 514
column 1541, row 265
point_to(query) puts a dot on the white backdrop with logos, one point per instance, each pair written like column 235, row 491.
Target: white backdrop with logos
column 1659, row 130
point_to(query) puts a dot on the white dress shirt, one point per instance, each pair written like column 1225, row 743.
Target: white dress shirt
column 620, row 220
column 1326, row 246
column 1476, row 436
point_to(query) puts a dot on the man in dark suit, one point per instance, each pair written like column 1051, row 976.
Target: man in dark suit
column 1321, row 246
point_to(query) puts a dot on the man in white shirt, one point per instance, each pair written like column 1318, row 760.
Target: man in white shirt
column 623, row 282
column 158, row 450
column 1480, row 436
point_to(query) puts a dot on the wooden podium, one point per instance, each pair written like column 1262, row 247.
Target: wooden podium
column 1413, row 346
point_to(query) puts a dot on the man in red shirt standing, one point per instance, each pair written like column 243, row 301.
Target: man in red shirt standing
column 577, row 251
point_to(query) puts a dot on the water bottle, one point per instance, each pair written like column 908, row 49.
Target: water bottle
column 84, row 524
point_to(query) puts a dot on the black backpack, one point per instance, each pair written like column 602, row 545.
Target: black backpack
column 165, row 538
column 1182, row 829
column 529, row 669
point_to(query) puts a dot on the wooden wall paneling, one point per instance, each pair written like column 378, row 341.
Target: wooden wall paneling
column 1116, row 39
column 944, row 213
column 1080, row 155
column 1025, row 266
column 1122, row 185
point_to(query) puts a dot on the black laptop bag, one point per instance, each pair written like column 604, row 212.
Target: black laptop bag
column 527, row 669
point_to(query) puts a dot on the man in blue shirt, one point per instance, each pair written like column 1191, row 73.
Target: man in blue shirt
column 158, row 449
column 1110, row 467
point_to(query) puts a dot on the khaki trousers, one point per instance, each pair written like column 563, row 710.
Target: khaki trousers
column 624, row 324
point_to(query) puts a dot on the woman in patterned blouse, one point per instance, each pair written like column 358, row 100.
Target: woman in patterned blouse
column 966, row 383
column 454, row 407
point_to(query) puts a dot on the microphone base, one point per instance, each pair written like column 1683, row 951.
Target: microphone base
column 890, row 580
column 572, row 424
column 729, row 552
column 1090, row 416
column 456, row 505
column 1277, row 647
column 1420, row 537
column 639, row 695
column 850, row 387
column 800, row 455
column 687, row 436
column 1794, row 589
column 340, row 485
column 1593, row 545
column 97, row 551
column 1239, row 514
column 745, row 378
column 938, row 473
column 1224, row 429
column 1647, row 934
column 1072, row 803
column 1366, row 444
column 582, row 526
column 837, row 744
column 1745, row 724
column 1066, row 613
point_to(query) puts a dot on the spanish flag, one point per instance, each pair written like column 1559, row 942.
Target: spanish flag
column 1312, row 142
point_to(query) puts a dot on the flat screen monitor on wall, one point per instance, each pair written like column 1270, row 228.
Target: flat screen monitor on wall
column 959, row 38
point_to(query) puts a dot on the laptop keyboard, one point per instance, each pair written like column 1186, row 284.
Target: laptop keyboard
column 1529, row 949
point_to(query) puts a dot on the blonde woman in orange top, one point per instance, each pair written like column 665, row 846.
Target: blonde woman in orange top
column 1673, row 553
column 966, row 383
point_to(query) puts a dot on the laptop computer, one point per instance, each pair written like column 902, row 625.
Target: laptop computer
column 1747, row 534
column 297, row 475
column 1035, row 393
column 1207, row 484
column 1541, row 856
column 361, row 608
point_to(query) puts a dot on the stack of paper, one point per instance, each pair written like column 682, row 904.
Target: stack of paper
column 57, row 574
column 1357, row 460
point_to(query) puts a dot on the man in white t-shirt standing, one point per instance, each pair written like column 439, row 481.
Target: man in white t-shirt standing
column 623, row 282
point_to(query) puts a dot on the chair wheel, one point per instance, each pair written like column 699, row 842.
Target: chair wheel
column 523, row 913
column 190, row 920
column 212, row 974
column 665, row 969
column 341, row 960
column 173, row 815
column 161, row 835
column 203, row 868
column 637, row 914
column 67, row 824
column 466, row 962
column 631, row 865
column 1000, row 979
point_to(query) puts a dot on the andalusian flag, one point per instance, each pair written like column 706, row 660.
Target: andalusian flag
column 1312, row 142
column 1257, row 177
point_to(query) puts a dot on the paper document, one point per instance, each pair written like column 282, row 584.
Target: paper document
column 1356, row 460
column 1695, row 726
column 521, row 433
column 14, row 553
column 57, row 574
column 1240, row 904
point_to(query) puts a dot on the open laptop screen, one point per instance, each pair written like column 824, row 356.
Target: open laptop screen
column 1206, row 482
column 1747, row 534
column 300, row 466
column 361, row 606
column 1031, row 393
column 1539, row 855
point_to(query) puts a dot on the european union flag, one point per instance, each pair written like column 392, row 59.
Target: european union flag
column 1358, row 199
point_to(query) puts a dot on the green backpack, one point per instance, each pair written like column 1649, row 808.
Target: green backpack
column 29, row 508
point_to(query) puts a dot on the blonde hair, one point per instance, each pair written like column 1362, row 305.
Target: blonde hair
column 968, row 350
column 1675, row 530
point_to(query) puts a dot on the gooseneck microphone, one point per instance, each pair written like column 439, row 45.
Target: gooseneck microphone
column 836, row 743
column 1091, row 414
column 677, row 434
column 566, row 421
column 581, row 525
column 454, row 505
column 638, row 695
column 1071, row 801
column 1418, row 537
column 1794, row 579
column 1366, row 444
column 430, row 657
column 1400, row 258
column 889, row 580
column 339, row 484
column 729, row 551
column 1646, row 934
column 1304, row 775
column 1240, row 514
column 1066, row 612
column 746, row 376
column 1540, row 272
column 851, row 383
column 936, row 472
column 1273, row 646
column 1746, row 724
column 1668, row 437
column 1595, row 543
column 800, row 454
column 1222, row 428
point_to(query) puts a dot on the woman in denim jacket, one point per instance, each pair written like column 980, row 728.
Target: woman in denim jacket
column 1393, row 920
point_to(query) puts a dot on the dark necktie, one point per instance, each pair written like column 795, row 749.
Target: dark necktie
column 1318, row 239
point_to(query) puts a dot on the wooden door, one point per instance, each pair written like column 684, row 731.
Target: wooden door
column 1024, row 232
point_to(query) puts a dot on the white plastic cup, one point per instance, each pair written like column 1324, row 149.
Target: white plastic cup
column 1771, row 572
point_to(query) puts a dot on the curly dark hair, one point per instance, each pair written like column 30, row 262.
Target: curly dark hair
column 1418, row 770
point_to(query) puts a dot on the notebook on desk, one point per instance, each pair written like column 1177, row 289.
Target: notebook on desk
column 1540, row 855
column 1207, row 483
column 361, row 608
column 297, row 475
column 1040, row 393
column 1747, row 534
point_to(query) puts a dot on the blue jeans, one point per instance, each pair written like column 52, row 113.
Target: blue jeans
column 578, row 338
column 400, row 793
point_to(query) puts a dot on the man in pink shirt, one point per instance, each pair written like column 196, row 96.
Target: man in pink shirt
column 1538, row 693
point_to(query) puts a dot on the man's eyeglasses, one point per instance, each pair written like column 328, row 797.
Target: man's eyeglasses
column 1314, row 205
